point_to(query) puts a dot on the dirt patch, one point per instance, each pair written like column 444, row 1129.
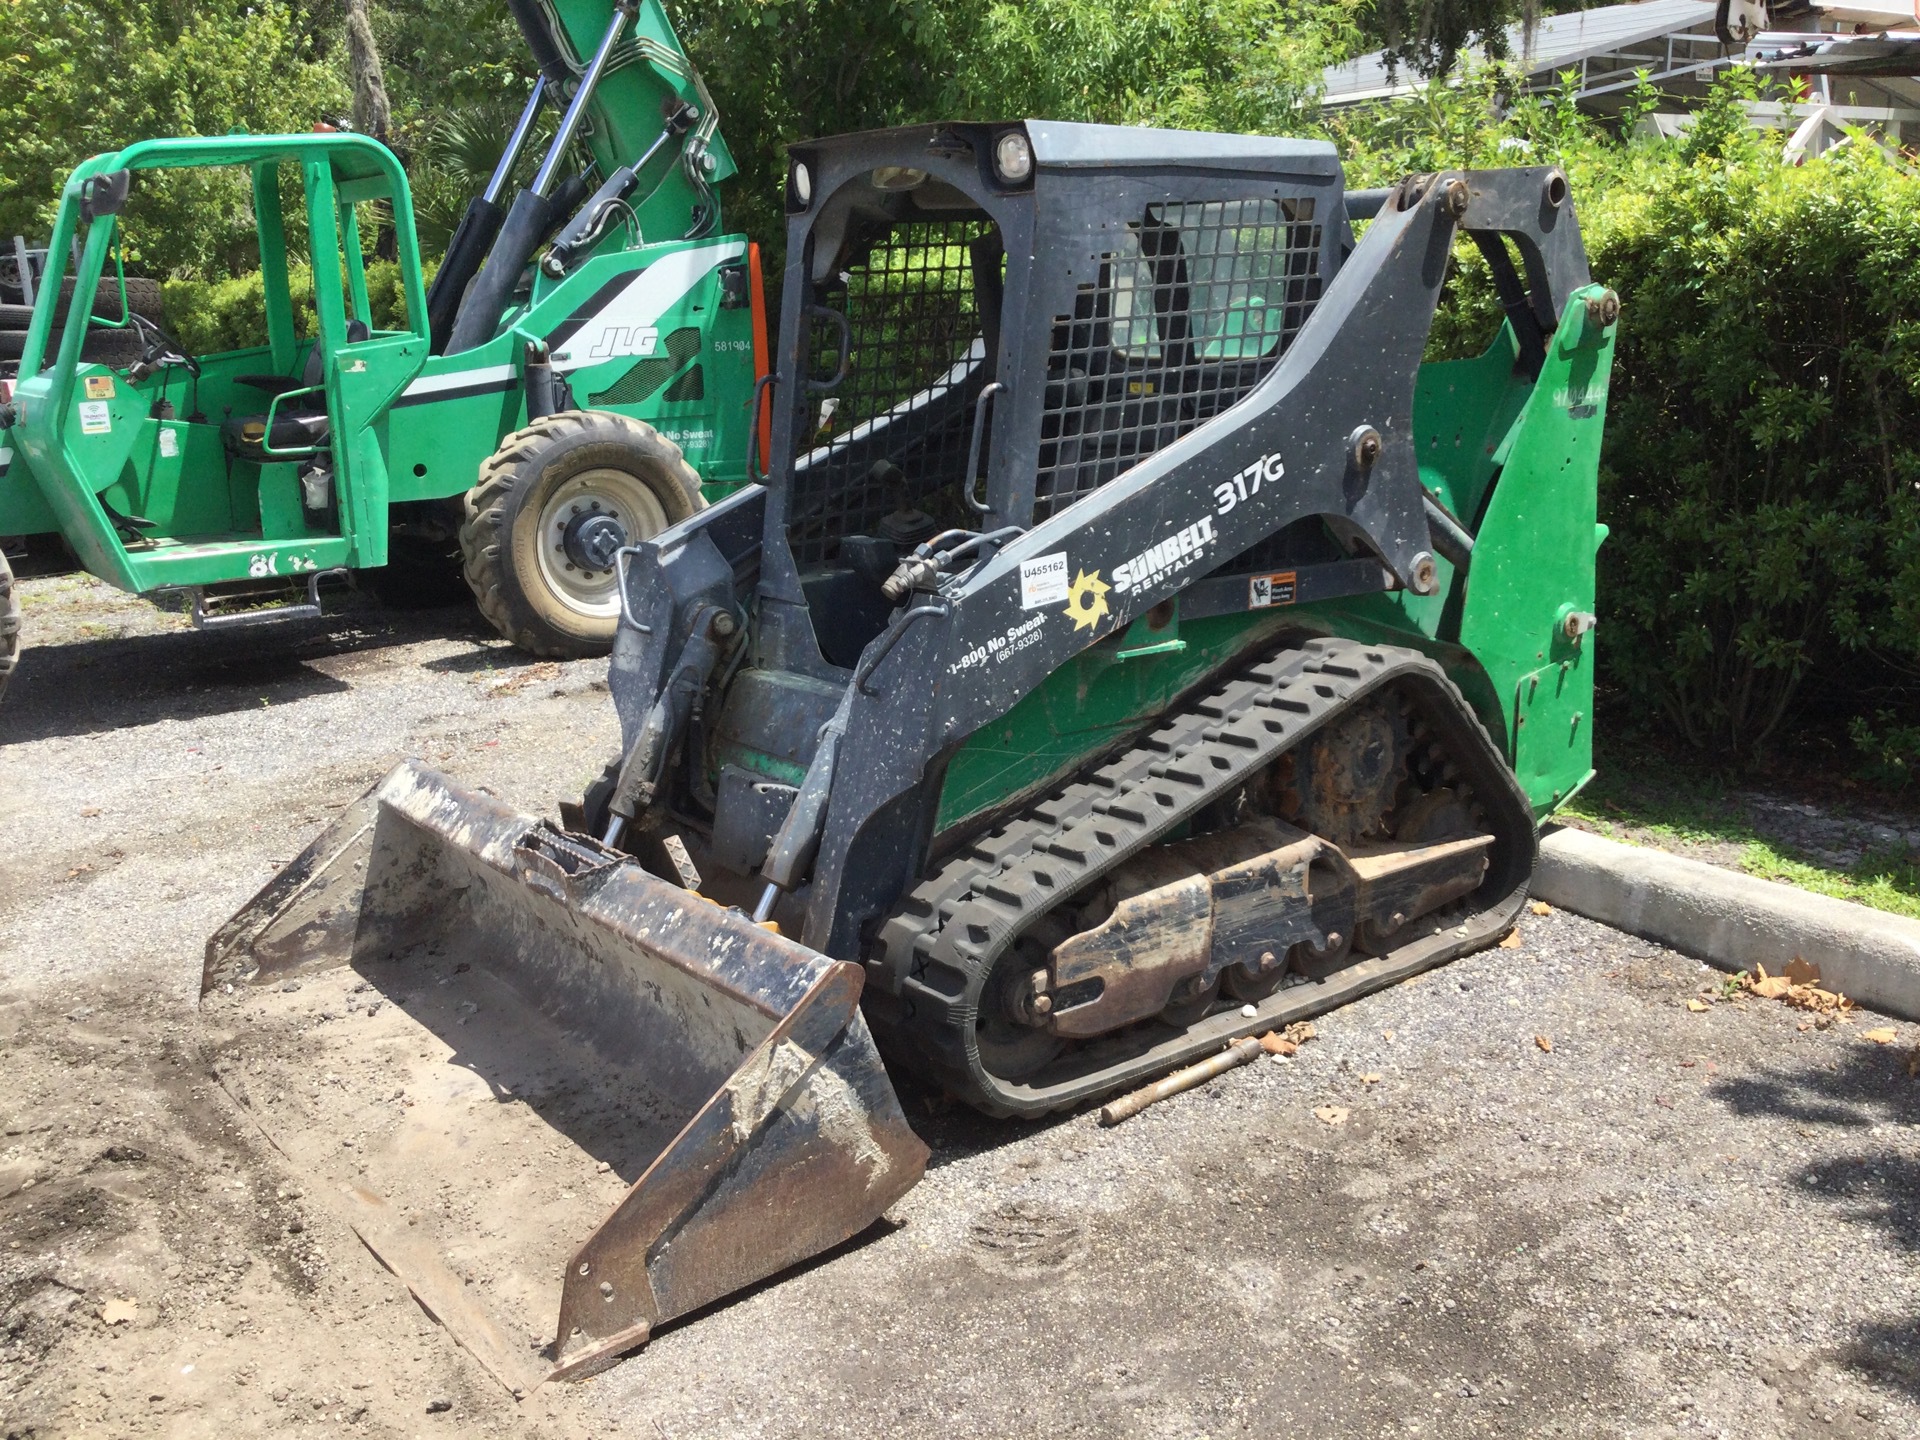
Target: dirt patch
column 164, row 1271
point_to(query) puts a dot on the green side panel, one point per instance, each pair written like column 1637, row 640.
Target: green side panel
column 1533, row 566
column 1462, row 411
column 1104, row 694
column 1499, row 630
column 23, row 509
column 641, row 332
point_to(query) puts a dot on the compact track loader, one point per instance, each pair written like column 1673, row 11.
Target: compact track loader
column 577, row 376
column 1132, row 645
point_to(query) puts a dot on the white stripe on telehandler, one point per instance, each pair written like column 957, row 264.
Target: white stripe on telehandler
column 653, row 292
column 460, row 379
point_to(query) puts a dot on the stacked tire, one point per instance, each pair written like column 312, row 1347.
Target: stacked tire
column 108, row 342
column 9, row 624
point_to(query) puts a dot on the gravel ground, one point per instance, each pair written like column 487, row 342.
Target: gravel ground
column 1533, row 1193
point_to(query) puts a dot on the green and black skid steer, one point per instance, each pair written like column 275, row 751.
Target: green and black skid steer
column 1132, row 645
column 578, row 376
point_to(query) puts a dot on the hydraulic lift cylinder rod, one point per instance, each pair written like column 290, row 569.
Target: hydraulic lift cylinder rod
column 534, row 212
column 577, row 107
column 516, row 143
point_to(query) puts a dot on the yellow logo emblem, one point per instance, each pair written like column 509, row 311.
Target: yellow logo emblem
column 1087, row 600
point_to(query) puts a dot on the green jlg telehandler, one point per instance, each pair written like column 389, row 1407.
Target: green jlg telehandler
column 577, row 378
column 1133, row 646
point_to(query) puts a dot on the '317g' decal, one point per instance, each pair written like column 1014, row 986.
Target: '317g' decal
column 1246, row 485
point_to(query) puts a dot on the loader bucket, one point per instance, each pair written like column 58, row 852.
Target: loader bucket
column 499, row 1027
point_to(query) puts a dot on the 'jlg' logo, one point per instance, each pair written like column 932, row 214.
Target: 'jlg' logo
column 624, row 340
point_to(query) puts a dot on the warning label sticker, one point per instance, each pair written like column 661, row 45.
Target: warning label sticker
column 1279, row 588
column 1043, row 581
column 99, row 387
column 95, row 417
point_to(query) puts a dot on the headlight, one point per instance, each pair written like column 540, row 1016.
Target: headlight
column 1013, row 157
column 802, row 184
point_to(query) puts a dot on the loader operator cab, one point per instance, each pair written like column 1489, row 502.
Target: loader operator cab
column 989, row 326
column 291, row 420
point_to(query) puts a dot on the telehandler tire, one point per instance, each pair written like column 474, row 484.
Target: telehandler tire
column 9, row 624
column 552, row 506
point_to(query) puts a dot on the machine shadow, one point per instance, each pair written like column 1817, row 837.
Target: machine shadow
column 1871, row 1085
column 82, row 687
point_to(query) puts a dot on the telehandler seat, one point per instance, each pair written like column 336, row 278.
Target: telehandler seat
column 299, row 425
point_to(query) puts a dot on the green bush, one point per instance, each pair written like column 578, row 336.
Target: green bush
column 1763, row 442
column 208, row 316
column 1761, row 471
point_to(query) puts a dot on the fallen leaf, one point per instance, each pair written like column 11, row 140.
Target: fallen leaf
column 1772, row 988
column 1332, row 1114
column 1299, row 1032
column 1696, row 1006
column 1884, row 1035
column 1511, row 941
column 1369, row 1079
column 1913, row 1064
column 118, row 1312
column 1540, row 907
column 1663, row 1102
column 1275, row 1044
column 1801, row 972
column 89, row 812
column 1386, row 1034
column 1544, row 1043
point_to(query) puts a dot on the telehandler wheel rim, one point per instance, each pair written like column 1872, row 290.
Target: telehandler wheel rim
column 584, row 521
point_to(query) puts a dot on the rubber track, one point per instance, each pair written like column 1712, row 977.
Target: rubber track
column 938, row 949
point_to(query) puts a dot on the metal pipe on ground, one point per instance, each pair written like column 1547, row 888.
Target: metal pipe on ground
column 1194, row 1076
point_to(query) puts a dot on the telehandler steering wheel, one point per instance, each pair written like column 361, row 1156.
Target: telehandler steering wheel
column 161, row 350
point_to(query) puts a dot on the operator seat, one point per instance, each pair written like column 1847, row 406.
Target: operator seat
column 298, row 425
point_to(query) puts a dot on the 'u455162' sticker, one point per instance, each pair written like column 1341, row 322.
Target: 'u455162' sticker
column 1043, row 581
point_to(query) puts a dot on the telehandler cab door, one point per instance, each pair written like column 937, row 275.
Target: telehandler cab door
column 325, row 395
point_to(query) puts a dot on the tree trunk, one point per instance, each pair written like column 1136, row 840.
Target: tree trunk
column 372, row 114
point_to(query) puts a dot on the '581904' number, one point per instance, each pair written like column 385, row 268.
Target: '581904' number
column 1246, row 485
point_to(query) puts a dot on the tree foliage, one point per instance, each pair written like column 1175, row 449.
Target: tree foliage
column 77, row 80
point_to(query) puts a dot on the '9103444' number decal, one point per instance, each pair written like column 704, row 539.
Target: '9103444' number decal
column 1244, row 486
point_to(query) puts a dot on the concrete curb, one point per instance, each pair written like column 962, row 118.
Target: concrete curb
column 1732, row 920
